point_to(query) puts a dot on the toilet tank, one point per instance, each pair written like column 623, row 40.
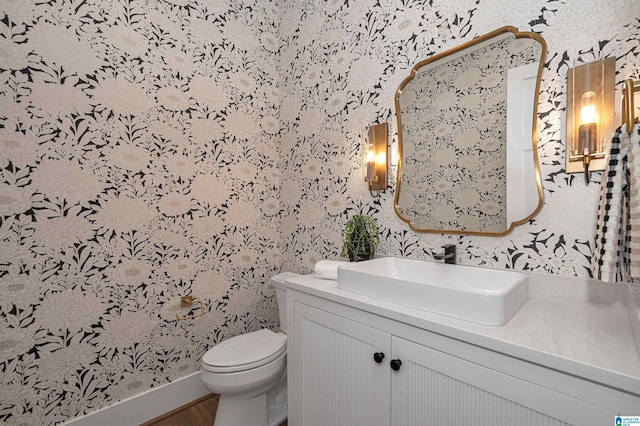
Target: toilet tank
column 281, row 294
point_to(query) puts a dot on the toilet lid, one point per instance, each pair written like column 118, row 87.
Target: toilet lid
column 249, row 350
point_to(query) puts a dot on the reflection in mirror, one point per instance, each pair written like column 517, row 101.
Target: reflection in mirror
column 466, row 125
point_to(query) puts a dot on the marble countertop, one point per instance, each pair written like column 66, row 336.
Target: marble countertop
column 570, row 324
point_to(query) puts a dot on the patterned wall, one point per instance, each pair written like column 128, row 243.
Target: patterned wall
column 138, row 162
column 343, row 64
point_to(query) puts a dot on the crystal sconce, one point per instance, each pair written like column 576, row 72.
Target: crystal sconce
column 376, row 162
column 590, row 115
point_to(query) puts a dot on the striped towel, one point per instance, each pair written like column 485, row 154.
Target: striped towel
column 616, row 255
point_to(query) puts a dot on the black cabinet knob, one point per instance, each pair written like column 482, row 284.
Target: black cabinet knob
column 378, row 357
column 395, row 364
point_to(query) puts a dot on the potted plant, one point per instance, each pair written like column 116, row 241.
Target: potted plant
column 360, row 238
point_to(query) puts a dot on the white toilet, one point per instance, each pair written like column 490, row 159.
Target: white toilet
column 249, row 372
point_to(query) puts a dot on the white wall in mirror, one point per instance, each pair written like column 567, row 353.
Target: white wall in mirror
column 522, row 188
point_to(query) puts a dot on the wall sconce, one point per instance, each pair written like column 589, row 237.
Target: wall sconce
column 590, row 115
column 631, row 87
column 376, row 161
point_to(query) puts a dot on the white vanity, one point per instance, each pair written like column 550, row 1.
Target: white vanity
column 569, row 355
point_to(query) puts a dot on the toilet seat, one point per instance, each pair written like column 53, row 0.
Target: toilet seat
column 245, row 352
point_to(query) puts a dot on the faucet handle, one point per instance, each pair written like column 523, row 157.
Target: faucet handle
column 449, row 254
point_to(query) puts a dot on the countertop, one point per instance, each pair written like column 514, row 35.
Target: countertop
column 580, row 326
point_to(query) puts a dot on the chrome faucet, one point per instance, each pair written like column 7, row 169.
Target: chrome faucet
column 449, row 254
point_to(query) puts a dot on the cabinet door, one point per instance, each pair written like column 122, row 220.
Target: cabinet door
column 336, row 379
column 434, row 388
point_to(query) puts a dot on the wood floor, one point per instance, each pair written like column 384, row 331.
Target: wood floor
column 200, row 412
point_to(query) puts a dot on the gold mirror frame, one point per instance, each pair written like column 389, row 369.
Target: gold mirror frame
column 455, row 50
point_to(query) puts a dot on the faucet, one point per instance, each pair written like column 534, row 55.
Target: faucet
column 449, row 254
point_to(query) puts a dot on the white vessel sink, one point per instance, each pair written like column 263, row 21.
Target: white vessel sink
column 483, row 296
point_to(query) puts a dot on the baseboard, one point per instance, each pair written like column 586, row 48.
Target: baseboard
column 146, row 406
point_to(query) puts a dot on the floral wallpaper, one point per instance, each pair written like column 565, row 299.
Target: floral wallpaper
column 342, row 63
column 138, row 162
column 152, row 148
column 454, row 128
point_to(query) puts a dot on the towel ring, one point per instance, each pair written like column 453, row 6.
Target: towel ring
column 186, row 301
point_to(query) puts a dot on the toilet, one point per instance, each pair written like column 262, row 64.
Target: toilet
column 249, row 372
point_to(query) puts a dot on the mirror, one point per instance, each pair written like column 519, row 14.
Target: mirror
column 467, row 136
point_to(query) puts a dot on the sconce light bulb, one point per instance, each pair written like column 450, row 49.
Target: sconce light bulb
column 588, row 108
column 381, row 158
column 371, row 154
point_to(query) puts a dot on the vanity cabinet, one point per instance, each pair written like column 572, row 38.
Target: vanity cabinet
column 349, row 367
column 339, row 381
column 436, row 388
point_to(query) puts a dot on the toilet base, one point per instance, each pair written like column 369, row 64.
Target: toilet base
column 277, row 408
column 234, row 410
column 265, row 409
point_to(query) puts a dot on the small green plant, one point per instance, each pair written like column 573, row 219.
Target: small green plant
column 360, row 238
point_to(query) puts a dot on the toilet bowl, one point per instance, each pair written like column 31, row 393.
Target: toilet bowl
column 249, row 372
